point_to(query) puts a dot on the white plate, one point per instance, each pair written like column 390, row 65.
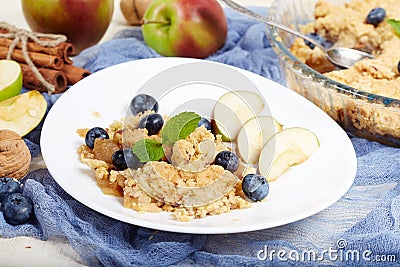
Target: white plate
column 105, row 95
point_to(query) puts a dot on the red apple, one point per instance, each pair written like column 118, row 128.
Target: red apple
column 185, row 28
column 84, row 22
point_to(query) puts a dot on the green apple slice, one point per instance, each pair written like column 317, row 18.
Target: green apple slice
column 286, row 148
column 10, row 79
column 233, row 109
column 22, row 113
column 253, row 135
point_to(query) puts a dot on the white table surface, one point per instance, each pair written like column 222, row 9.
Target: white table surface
column 27, row 251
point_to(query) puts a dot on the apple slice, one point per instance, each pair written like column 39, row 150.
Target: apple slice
column 253, row 135
column 10, row 79
column 233, row 109
column 22, row 113
column 286, row 148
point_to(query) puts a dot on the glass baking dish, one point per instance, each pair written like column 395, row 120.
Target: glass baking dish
column 360, row 113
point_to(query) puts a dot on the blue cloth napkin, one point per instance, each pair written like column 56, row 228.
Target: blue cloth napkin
column 362, row 228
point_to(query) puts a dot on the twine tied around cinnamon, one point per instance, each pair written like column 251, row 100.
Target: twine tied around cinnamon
column 22, row 36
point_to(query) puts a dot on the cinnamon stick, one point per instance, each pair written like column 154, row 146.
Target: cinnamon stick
column 38, row 59
column 74, row 74
column 55, row 77
column 63, row 50
column 68, row 50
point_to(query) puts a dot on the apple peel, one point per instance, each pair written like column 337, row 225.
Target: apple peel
column 10, row 79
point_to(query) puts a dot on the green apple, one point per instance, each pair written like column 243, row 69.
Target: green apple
column 252, row 136
column 232, row 110
column 22, row 113
column 10, row 79
column 84, row 22
column 185, row 28
column 286, row 148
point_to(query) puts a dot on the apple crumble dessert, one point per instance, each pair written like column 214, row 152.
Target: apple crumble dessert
column 181, row 165
column 184, row 179
column 371, row 26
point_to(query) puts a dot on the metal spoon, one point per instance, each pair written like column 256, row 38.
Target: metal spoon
column 340, row 56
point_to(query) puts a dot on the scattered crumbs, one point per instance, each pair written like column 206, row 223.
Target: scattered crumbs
column 82, row 132
column 28, row 247
column 96, row 114
column 237, row 220
column 151, row 237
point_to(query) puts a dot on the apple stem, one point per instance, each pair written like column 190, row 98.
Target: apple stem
column 145, row 21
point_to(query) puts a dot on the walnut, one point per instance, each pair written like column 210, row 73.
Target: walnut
column 133, row 10
column 15, row 156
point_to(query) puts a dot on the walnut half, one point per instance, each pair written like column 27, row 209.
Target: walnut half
column 133, row 10
column 15, row 157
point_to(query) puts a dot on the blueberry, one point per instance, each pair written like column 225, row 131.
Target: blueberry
column 17, row 208
column 132, row 161
column 152, row 122
column 376, row 16
column 118, row 160
column 228, row 160
column 255, row 187
column 93, row 134
column 143, row 102
column 124, row 158
column 398, row 67
column 319, row 39
column 8, row 186
column 206, row 123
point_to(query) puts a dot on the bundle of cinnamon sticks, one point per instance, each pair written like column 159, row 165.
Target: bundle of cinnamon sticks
column 53, row 63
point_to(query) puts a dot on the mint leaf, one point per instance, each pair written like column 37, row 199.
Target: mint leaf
column 179, row 127
column 148, row 150
column 395, row 24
